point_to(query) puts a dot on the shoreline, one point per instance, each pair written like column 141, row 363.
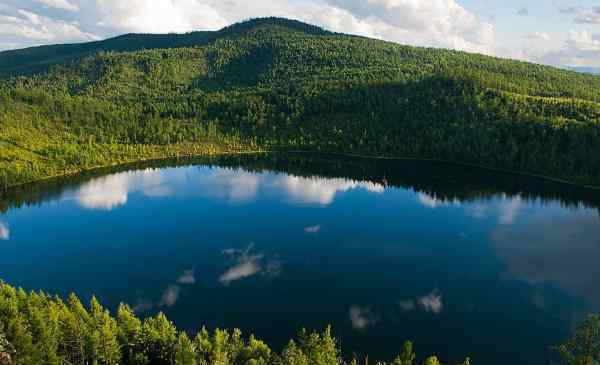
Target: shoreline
column 328, row 153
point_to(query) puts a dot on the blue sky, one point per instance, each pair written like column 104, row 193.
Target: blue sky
column 556, row 32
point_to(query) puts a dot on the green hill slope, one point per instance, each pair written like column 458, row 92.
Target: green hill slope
column 280, row 84
column 36, row 59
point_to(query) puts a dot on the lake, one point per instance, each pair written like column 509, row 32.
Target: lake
column 463, row 261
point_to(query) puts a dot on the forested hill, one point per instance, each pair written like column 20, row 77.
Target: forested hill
column 281, row 84
column 36, row 59
column 288, row 48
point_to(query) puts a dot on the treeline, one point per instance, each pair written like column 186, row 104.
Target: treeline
column 36, row 328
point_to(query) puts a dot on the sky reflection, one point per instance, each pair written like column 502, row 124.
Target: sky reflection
column 232, row 185
column 557, row 247
column 110, row 192
column 381, row 262
column 247, row 264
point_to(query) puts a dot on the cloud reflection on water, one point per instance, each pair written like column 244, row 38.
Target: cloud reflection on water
column 188, row 278
column 320, row 190
column 170, row 296
column 430, row 303
column 312, row 229
column 554, row 246
column 432, row 202
column 239, row 186
column 112, row 191
column 506, row 209
column 236, row 186
column 247, row 264
column 232, row 185
column 4, row 232
column 362, row 317
column 245, row 267
column 509, row 210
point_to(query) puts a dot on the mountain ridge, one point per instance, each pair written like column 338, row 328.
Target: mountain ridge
column 31, row 60
column 39, row 58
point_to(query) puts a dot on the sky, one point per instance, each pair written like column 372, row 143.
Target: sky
column 554, row 32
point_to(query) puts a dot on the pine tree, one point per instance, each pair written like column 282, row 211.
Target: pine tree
column 184, row 350
column 407, row 356
column 129, row 328
column 293, row 355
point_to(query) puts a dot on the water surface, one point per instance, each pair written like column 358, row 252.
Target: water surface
column 465, row 262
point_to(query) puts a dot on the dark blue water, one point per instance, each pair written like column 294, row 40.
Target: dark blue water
column 464, row 262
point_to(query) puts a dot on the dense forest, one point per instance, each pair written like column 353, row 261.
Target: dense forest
column 278, row 84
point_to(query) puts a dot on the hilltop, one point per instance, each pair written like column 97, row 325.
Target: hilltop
column 278, row 84
column 37, row 59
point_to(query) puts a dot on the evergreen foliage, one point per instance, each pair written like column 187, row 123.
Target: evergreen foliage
column 278, row 84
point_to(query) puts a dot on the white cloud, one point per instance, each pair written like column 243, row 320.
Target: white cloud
column 588, row 16
column 4, row 232
column 158, row 16
column 432, row 302
column 26, row 27
column 59, row 4
column 584, row 40
column 361, row 317
column 538, row 36
column 581, row 48
column 439, row 23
